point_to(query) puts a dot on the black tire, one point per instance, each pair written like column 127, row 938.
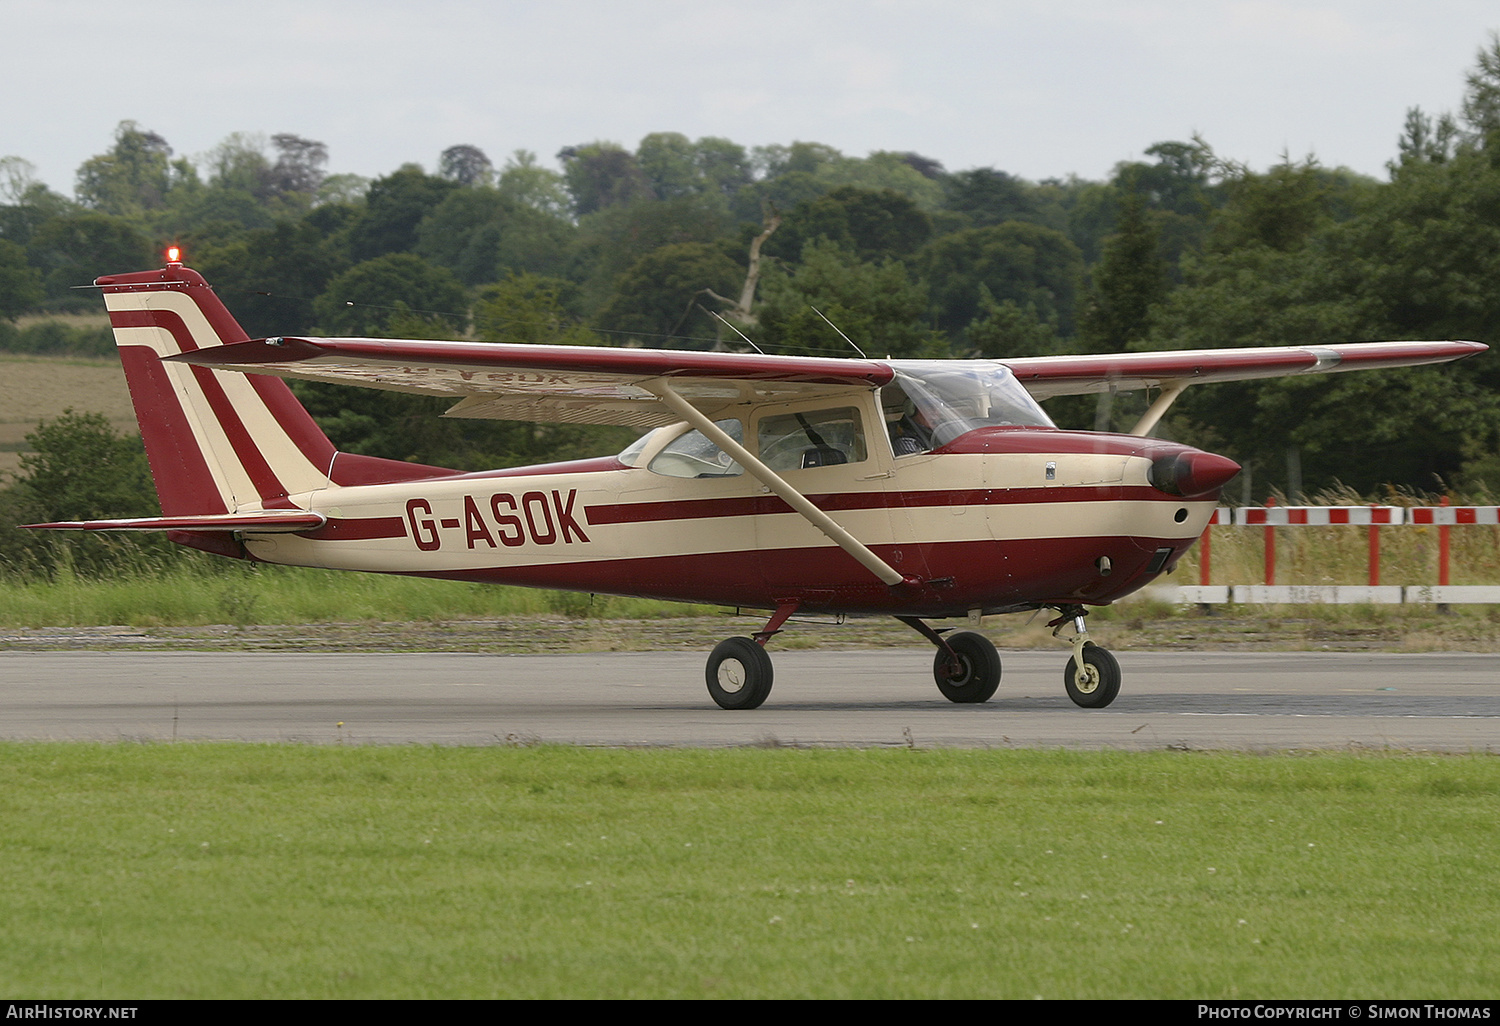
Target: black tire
column 1101, row 685
column 977, row 675
column 739, row 674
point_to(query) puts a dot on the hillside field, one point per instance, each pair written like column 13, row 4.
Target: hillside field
column 35, row 388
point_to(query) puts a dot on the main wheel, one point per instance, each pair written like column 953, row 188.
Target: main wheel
column 1097, row 684
column 739, row 674
column 976, row 673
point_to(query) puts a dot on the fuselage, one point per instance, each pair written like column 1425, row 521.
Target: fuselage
column 999, row 518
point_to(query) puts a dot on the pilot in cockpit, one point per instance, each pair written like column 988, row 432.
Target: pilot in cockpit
column 907, row 425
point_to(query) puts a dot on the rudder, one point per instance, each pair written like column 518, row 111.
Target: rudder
column 217, row 441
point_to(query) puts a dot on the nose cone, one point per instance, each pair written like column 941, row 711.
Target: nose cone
column 1192, row 473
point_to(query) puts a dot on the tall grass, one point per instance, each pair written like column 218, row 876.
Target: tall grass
column 201, row 593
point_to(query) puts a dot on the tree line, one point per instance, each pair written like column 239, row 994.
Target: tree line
column 644, row 246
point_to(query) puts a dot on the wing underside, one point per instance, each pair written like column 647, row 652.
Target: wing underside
column 1048, row 376
column 559, row 384
column 596, row 385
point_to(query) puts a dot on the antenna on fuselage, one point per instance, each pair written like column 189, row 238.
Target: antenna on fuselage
column 835, row 327
column 738, row 332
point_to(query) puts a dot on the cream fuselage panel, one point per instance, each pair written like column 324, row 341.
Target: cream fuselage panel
column 477, row 522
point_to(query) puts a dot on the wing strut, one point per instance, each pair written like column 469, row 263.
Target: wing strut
column 768, row 477
column 1163, row 403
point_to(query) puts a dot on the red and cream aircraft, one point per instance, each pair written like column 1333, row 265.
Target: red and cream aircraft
column 917, row 489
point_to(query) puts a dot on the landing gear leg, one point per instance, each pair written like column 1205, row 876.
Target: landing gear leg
column 739, row 672
column 1092, row 676
column 966, row 667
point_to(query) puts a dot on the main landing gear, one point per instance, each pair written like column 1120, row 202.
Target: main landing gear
column 966, row 667
column 739, row 672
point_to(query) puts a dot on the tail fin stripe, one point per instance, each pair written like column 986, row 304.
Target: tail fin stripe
column 250, row 465
column 262, row 478
column 184, row 481
column 291, row 418
column 294, row 420
column 247, row 476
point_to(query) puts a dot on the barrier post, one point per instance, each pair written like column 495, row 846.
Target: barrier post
column 1374, row 549
column 1270, row 545
column 1444, row 552
column 1443, row 549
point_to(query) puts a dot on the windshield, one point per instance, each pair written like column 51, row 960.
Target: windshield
column 949, row 398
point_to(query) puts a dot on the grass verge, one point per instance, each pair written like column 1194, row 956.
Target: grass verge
column 218, row 871
column 208, row 593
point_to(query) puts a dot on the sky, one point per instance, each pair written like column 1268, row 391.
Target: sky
column 1036, row 89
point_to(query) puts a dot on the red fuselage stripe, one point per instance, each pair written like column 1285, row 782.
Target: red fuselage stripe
column 360, row 529
column 762, row 505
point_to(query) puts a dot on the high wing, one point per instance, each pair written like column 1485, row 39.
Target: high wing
column 561, row 384
column 1047, row 376
column 597, row 385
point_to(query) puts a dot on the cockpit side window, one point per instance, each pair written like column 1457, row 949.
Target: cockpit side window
column 693, row 455
column 812, row 438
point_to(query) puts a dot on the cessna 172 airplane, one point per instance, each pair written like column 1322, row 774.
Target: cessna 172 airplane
column 917, row 489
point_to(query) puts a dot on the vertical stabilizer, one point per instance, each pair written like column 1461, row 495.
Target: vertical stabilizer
column 218, row 441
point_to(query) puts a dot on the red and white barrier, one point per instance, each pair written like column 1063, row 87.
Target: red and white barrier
column 1270, row 517
column 1318, row 516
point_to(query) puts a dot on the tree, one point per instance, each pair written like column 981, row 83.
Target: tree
column 394, row 208
column 20, row 283
column 985, row 196
column 1481, row 103
column 879, row 306
column 530, row 308
column 531, row 185
column 481, row 234
column 1005, row 331
column 667, row 161
column 657, row 299
column 78, row 467
column 299, row 164
column 268, row 277
column 363, row 299
column 466, row 165
column 1128, row 282
column 77, row 248
column 874, row 224
column 601, row 175
column 1025, row 263
column 134, row 176
column 1426, row 139
column 612, row 239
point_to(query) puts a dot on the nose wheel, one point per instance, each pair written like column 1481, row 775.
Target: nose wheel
column 1092, row 676
column 1093, row 683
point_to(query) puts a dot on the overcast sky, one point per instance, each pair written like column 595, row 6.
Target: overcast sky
column 1038, row 89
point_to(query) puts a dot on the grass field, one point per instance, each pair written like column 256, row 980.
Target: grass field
column 34, row 388
column 218, row 871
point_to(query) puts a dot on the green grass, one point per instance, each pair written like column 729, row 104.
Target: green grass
column 160, row 871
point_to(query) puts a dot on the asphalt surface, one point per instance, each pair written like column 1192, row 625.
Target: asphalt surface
column 1247, row 701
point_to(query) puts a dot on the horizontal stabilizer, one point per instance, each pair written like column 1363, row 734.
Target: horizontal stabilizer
column 273, row 521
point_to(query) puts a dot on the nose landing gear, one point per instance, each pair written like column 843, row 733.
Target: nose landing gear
column 1092, row 676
